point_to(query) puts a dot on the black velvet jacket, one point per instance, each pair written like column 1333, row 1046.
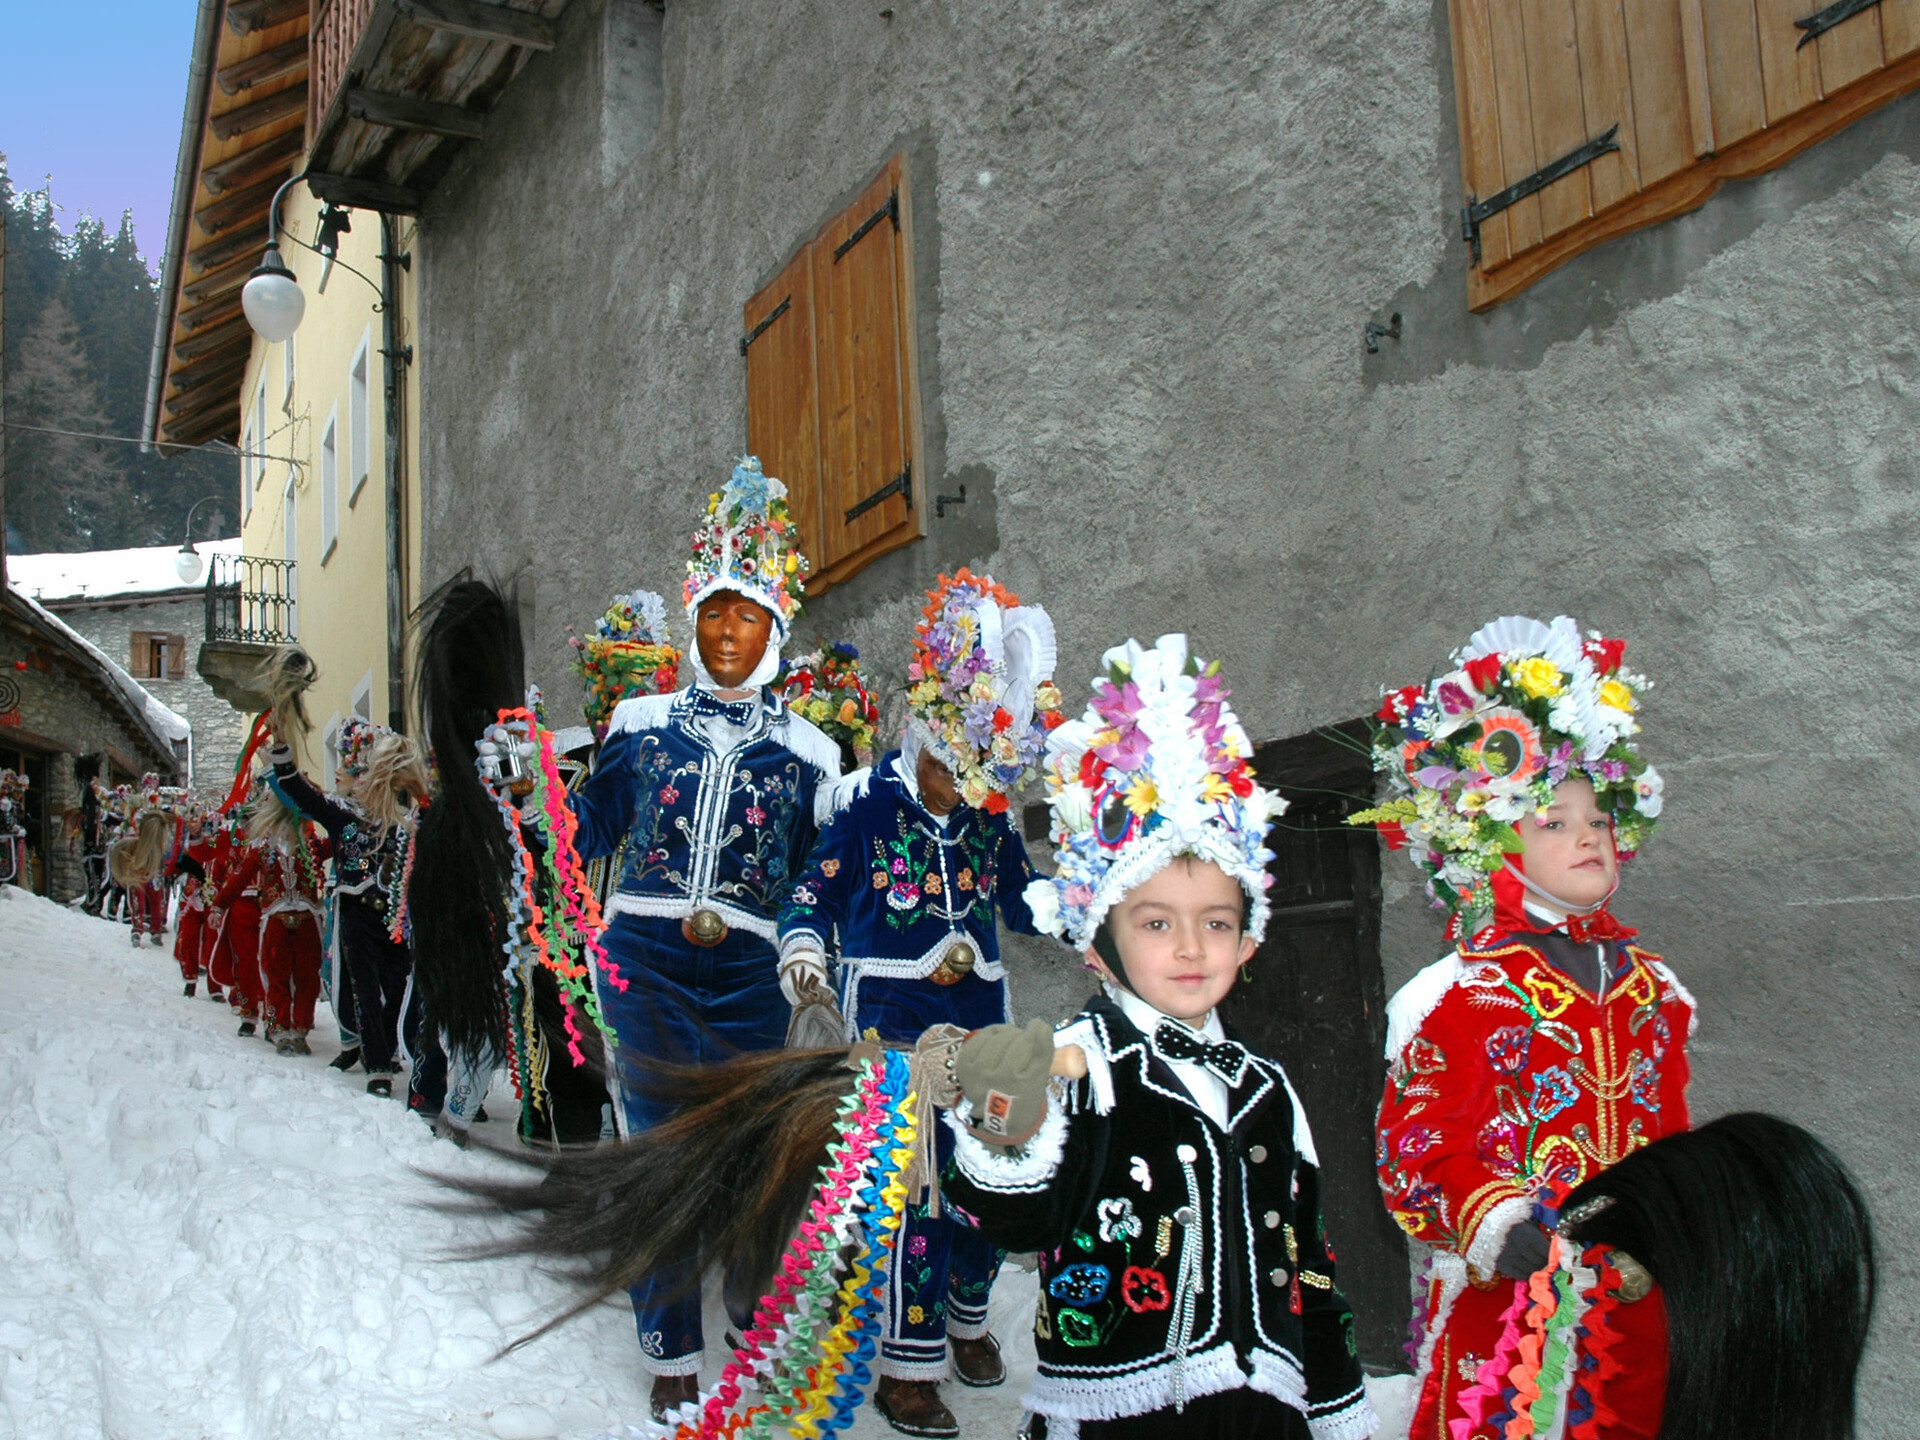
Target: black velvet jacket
column 1177, row 1259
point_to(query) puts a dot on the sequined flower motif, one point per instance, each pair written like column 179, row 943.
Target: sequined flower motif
column 1553, row 1091
column 1143, row 1290
column 1118, row 1223
column 1507, row 1048
column 1081, row 1284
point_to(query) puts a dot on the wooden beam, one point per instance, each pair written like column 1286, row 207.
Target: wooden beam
column 364, row 194
column 199, row 317
column 214, row 425
column 208, row 341
column 225, row 250
column 260, row 113
column 408, row 112
column 189, row 404
column 247, row 207
column 277, row 154
column 246, row 16
column 481, row 20
column 281, row 60
column 205, row 372
column 218, row 282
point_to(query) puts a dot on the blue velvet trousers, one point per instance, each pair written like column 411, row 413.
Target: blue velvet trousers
column 684, row 1004
column 943, row 1271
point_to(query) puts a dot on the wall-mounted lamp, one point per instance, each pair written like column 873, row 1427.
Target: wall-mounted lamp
column 272, row 297
column 186, row 561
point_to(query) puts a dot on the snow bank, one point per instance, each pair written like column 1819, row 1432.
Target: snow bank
column 199, row 1238
column 170, row 724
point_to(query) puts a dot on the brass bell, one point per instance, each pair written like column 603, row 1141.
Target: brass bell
column 707, row 927
column 961, row 958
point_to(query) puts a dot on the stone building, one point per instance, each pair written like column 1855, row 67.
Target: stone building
column 134, row 606
column 1179, row 332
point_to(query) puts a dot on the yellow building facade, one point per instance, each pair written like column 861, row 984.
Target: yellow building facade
column 319, row 468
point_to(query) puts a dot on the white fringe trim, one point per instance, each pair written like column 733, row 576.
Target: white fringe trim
column 1302, row 1134
column 1414, row 1001
column 642, row 712
column 1098, row 1085
column 1665, row 972
column 1451, row 1271
column 1117, row 1393
column 918, row 967
column 1484, row 1249
column 678, row 907
column 1026, row 1170
column 830, row 800
column 811, row 744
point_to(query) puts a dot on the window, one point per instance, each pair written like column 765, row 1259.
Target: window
column 330, row 749
column 260, row 431
column 286, row 375
column 359, row 439
column 363, row 697
column 247, row 473
column 290, row 518
column 152, row 655
column 832, row 404
column 330, row 485
column 1653, row 104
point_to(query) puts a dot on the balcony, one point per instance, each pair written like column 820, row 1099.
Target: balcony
column 252, row 606
column 397, row 86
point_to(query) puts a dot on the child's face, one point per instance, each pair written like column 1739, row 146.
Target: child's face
column 1179, row 936
column 1569, row 846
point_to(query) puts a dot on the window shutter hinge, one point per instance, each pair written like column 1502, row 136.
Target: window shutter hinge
column 1475, row 213
column 761, row 329
column 888, row 211
column 1821, row 21
column 901, row 485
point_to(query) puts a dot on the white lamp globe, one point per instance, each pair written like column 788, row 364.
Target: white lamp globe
column 272, row 299
column 186, row 564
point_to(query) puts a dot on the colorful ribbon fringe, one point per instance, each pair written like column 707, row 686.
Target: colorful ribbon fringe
column 1543, row 1377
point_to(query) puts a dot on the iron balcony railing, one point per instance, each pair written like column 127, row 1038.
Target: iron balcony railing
column 251, row 598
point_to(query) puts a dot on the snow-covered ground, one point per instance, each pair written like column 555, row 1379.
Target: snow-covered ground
column 199, row 1238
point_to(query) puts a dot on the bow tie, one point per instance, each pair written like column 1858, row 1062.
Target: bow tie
column 1227, row 1059
column 702, row 701
column 1599, row 926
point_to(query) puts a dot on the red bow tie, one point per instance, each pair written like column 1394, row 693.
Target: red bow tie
column 1599, row 926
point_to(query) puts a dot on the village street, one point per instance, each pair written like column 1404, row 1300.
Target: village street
column 200, row 1238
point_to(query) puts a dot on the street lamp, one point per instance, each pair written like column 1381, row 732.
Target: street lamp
column 186, row 561
column 272, row 297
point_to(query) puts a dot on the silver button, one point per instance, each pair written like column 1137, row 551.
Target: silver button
column 1271, row 1219
column 1257, row 1154
column 1278, row 1277
column 1185, row 1216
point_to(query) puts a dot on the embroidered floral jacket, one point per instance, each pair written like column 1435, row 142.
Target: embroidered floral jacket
column 368, row 859
column 1509, row 1083
column 1177, row 1258
column 902, row 891
column 704, row 828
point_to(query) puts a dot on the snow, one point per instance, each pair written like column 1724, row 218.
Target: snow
column 200, row 1238
column 169, row 723
column 98, row 574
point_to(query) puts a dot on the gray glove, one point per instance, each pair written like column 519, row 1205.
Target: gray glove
column 1523, row 1252
column 1003, row 1072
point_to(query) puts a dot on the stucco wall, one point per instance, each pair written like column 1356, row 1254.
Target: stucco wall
column 1148, row 236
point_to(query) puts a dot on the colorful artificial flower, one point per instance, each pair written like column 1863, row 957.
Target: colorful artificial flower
column 980, row 691
column 749, row 544
column 1157, row 767
column 1473, row 751
column 825, row 687
column 630, row 653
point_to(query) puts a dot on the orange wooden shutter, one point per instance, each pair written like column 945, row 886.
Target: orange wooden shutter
column 830, row 383
column 1694, row 93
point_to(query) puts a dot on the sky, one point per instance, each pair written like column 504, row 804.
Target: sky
column 97, row 106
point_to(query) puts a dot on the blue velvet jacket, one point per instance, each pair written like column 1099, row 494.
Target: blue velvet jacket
column 901, row 890
column 698, row 827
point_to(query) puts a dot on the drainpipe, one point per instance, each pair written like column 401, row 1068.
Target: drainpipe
column 186, row 173
column 397, row 358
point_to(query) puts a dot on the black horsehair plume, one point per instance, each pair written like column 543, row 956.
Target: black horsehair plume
column 1763, row 1249
column 724, row 1181
column 471, row 667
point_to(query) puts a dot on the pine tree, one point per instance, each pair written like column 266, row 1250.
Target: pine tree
column 63, row 492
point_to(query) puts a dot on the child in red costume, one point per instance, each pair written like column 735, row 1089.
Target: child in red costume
column 290, row 865
column 190, row 934
column 1547, row 1047
column 237, row 956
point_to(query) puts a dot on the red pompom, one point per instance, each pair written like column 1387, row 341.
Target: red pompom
column 996, row 803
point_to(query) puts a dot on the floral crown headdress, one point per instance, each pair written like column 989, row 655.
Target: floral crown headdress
column 749, row 544
column 356, row 740
column 825, row 687
column 1471, row 752
column 1157, row 767
column 980, row 691
column 629, row 653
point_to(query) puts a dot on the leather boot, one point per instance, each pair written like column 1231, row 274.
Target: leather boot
column 978, row 1362
column 672, row 1391
column 914, row 1407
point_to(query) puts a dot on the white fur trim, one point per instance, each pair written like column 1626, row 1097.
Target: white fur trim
column 642, row 712
column 1146, row 857
column 991, row 1167
column 1487, row 1241
column 1665, row 972
column 1418, row 998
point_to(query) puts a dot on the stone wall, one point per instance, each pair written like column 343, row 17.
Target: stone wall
column 1148, row 237
column 218, row 729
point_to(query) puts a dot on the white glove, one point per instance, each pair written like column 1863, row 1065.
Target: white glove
column 803, row 971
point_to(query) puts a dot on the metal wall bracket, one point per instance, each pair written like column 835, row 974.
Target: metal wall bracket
column 761, row 329
column 1821, row 21
column 940, row 503
column 901, row 485
column 888, row 211
column 1475, row 213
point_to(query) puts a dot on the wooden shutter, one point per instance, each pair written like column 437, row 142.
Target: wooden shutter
column 831, row 395
column 140, row 655
column 176, row 657
column 1694, row 93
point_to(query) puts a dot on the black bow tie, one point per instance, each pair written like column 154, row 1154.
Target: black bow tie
column 740, row 712
column 1227, row 1059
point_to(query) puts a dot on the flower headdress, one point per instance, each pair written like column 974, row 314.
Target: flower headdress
column 630, row 653
column 355, row 742
column 824, row 686
column 1158, row 767
column 980, row 692
column 749, row 544
column 1469, row 753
